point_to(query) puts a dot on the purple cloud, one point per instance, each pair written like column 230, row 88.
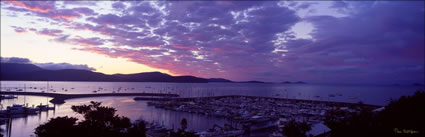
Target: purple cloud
column 80, row 3
column 42, row 7
column 78, row 40
column 47, row 32
column 49, row 10
column 94, row 41
column 118, row 5
column 19, row 29
column 373, row 39
column 253, row 39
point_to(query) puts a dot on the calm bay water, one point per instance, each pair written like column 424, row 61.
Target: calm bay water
column 126, row 106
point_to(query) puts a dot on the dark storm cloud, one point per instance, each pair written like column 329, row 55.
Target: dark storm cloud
column 374, row 37
column 50, row 66
column 15, row 60
column 60, row 66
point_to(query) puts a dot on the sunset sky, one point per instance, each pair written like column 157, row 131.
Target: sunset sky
column 321, row 41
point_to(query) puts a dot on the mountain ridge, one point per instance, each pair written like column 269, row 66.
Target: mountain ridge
column 31, row 72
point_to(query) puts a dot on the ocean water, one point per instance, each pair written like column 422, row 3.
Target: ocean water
column 126, row 106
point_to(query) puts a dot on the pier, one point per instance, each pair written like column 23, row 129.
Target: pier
column 60, row 98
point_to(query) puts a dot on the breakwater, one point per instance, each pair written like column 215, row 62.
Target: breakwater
column 60, row 98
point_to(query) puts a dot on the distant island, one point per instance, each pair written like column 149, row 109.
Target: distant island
column 30, row 72
column 253, row 81
column 417, row 84
column 298, row 82
column 413, row 84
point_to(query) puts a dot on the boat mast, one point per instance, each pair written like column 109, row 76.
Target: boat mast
column 47, row 90
column 25, row 97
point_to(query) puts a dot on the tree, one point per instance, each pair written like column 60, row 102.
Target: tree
column 99, row 121
column 183, row 124
column 1, row 130
column 344, row 124
column 296, row 129
column 182, row 131
column 400, row 118
column 60, row 126
column 406, row 114
column 137, row 130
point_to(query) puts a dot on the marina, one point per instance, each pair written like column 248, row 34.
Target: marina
column 212, row 68
column 249, row 114
column 207, row 107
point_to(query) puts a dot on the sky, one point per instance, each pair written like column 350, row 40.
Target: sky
column 273, row 41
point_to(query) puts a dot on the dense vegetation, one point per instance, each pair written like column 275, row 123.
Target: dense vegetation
column 296, row 129
column 400, row 118
column 182, row 131
column 99, row 121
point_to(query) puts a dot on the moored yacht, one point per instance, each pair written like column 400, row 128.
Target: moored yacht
column 18, row 109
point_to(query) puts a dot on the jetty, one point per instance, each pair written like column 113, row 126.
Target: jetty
column 60, row 98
